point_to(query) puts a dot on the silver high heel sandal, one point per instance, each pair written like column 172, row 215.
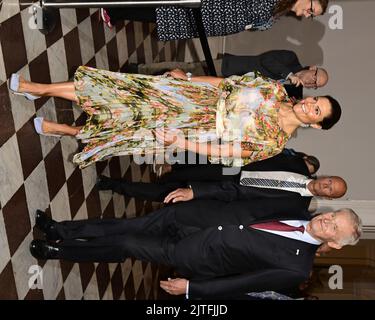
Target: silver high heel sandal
column 38, row 122
column 14, row 84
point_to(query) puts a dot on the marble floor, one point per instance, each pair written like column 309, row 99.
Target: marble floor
column 36, row 171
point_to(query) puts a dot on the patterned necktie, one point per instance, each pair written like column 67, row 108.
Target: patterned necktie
column 259, row 182
column 277, row 226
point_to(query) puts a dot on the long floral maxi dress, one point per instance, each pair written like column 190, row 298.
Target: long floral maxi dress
column 123, row 109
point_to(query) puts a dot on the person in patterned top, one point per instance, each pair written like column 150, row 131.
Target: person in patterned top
column 234, row 121
column 220, row 17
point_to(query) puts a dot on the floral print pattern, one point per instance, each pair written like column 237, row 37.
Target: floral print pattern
column 248, row 107
column 124, row 109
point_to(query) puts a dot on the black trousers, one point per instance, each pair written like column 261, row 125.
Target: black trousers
column 148, row 238
column 200, row 172
column 145, row 191
column 142, row 14
column 178, row 178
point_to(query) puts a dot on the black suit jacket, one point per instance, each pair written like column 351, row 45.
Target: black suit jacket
column 227, row 190
column 209, row 242
column 214, row 172
column 274, row 64
column 226, row 256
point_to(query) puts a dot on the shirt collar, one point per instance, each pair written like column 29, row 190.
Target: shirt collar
column 308, row 192
column 306, row 237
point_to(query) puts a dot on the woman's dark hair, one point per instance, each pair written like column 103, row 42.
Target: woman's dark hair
column 313, row 161
column 284, row 6
column 334, row 117
column 310, row 159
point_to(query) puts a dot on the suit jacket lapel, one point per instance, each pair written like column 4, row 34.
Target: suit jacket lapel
column 304, row 215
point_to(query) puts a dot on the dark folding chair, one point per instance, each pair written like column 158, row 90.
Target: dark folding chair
column 44, row 16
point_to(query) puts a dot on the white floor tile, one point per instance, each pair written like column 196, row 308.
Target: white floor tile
column 34, row 40
column 57, row 62
column 52, row 279
column 60, row 208
column 68, row 20
column 92, row 292
column 11, row 176
column 4, row 247
column 86, row 41
column 36, row 189
column 23, row 263
column 72, row 285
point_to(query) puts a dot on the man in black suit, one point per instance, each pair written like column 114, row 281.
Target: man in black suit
column 281, row 65
column 281, row 167
column 330, row 187
column 278, row 65
column 220, row 247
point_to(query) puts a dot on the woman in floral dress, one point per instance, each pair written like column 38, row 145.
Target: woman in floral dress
column 138, row 114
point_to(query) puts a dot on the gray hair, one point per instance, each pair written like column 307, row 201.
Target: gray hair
column 357, row 226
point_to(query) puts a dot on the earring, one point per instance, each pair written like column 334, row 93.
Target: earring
column 304, row 125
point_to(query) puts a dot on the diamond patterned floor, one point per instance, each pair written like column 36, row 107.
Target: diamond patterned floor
column 35, row 171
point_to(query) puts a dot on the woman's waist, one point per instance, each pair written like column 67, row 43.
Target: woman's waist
column 229, row 124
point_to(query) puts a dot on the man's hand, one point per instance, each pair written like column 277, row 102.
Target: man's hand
column 295, row 80
column 324, row 248
column 177, row 74
column 174, row 286
column 181, row 194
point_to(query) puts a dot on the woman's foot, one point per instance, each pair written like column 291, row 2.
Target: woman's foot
column 45, row 127
column 105, row 18
column 18, row 85
column 23, row 83
column 50, row 128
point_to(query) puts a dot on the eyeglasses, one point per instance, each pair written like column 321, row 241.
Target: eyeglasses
column 315, row 78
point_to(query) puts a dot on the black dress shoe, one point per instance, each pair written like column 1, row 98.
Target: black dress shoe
column 47, row 225
column 104, row 183
column 41, row 249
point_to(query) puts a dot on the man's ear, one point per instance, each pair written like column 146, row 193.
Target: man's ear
column 316, row 126
column 334, row 245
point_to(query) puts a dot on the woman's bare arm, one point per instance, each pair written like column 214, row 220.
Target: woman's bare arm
column 179, row 74
column 175, row 137
column 214, row 81
column 215, row 150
